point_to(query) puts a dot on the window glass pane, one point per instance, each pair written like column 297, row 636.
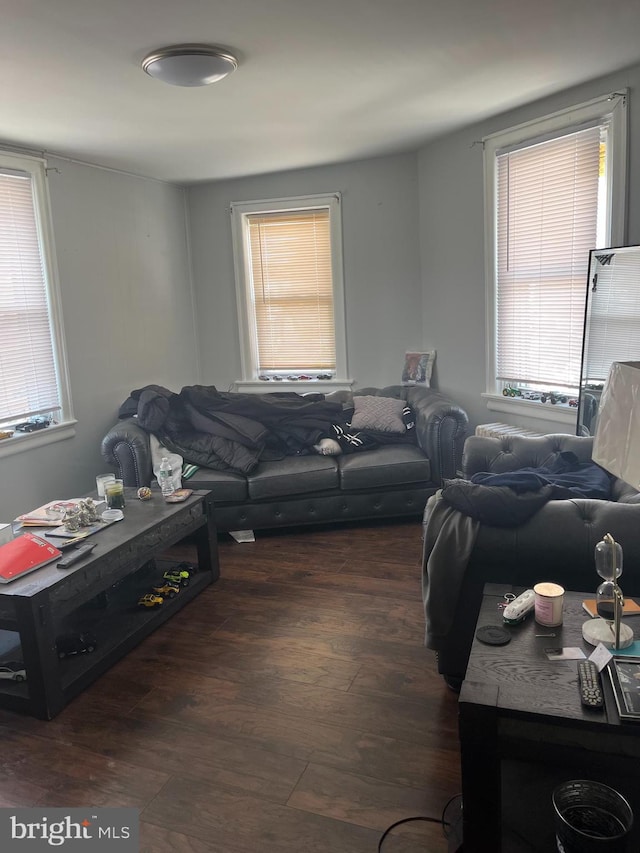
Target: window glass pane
column 292, row 289
column 547, row 222
column 28, row 379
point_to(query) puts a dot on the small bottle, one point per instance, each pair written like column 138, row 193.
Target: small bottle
column 165, row 477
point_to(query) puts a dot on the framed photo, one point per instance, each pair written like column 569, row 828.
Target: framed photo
column 418, row 367
column 624, row 672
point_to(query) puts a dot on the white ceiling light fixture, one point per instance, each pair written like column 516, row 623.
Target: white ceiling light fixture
column 189, row 64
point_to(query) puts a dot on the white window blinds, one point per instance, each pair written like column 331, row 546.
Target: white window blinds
column 28, row 384
column 547, row 216
column 292, row 290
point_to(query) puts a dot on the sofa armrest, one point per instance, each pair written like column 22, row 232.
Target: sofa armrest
column 511, row 452
column 126, row 448
column 441, row 428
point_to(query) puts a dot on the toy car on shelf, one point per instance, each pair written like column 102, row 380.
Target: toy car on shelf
column 13, row 670
column 75, row 644
column 167, row 590
column 177, row 576
column 150, row 600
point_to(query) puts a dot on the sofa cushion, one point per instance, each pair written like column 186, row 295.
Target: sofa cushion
column 394, row 465
column 383, row 414
column 293, row 475
column 226, row 486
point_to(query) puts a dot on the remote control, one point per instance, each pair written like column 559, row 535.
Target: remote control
column 589, row 683
column 75, row 555
column 519, row 607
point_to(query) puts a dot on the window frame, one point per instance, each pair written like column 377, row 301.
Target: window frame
column 612, row 107
column 240, row 211
column 36, row 167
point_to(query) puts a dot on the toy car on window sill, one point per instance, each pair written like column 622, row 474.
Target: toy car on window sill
column 75, row 644
column 167, row 590
column 150, row 600
column 33, row 425
column 13, row 671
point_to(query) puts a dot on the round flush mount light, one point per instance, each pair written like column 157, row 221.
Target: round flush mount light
column 189, row 64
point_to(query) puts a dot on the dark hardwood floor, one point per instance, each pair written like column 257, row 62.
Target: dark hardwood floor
column 290, row 707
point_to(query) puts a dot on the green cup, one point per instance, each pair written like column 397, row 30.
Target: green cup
column 114, row 493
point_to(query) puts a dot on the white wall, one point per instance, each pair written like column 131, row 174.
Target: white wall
column 128, row 316
column 381, row 263
column 414, row 278
column 452, row 242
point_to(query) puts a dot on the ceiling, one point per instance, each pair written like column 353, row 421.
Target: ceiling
column 317, row 82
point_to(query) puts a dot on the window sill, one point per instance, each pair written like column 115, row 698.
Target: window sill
column 558, row 413
column 31, row 440
column 302, row 386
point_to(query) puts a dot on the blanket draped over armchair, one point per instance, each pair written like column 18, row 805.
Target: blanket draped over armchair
column 453, row 516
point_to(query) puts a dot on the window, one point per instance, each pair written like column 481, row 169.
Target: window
column 555, row 190
column 32, row 364
column 288, row 258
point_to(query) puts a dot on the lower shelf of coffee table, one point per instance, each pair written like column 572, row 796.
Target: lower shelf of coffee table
column 117, row 623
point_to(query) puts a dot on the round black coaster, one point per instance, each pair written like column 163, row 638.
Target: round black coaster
column 493, row 635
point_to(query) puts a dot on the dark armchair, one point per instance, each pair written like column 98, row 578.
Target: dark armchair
column 556, row 543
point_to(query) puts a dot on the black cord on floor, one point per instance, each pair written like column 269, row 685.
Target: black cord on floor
column 439, row 820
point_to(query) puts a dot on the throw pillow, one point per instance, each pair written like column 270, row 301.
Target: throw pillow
column 383, row 414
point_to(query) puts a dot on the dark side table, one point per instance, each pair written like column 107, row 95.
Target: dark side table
column 523, row 730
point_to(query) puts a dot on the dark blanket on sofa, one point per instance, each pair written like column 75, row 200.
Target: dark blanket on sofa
column 234, row 431
column 229, row 430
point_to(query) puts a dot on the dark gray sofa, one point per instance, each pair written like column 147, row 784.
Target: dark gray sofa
column 384, row 482
column 557, row 543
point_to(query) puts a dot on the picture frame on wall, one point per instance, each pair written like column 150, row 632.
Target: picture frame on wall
column 418, row 367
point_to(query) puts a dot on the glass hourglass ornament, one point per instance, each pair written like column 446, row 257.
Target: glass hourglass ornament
column 607, row 628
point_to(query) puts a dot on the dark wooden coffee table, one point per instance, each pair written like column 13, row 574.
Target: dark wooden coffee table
column 523, row 730
column 99, row 594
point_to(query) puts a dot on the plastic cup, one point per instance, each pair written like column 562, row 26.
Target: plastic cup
column 101, row 482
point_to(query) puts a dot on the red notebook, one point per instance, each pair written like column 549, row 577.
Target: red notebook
column 24, row 554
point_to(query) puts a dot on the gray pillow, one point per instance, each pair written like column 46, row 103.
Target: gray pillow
column 383, row 414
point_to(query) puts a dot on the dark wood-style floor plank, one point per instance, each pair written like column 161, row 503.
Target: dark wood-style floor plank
column 290, row 706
